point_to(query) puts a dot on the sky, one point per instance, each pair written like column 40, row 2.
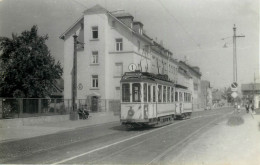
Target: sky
column 192, row 29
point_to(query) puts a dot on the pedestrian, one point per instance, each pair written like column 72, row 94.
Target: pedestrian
column 252, row 108
column 238, row 107
column 247, row 107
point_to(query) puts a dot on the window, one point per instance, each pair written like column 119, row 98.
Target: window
column 176, row 96
column 168, row 94
column 95, row 32
column 181, row 98
column 196, row 86
column 136, row 92
column 149, row 93
column 95, row 57
column 119, row 44
column 118, row 69
column 159, row 93
column 172, row 95
column 139, row 45
column 164, row 94
column 126, row 93
column 154, row 94
column 117, row 93
column 145, row 92
column 113, row 24
column 94, row 81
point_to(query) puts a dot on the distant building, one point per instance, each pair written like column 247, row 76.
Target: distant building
column 218, row 98
column 251, row 93
column 206, row 94
column 194, row 72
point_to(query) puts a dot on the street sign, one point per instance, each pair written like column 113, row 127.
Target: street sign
column 234, row 94
column 234, row 89
column 132, row 67
column 234, row 86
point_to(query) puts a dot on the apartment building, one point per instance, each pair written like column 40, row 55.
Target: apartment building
column 109, row 45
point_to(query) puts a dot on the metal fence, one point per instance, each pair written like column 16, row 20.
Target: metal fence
column 30, row 107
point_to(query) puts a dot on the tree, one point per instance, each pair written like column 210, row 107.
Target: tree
column 29, row 70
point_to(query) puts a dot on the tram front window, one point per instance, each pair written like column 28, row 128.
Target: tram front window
column 136, row 92
column 125, row 93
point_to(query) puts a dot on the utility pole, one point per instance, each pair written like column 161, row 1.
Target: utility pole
column 235, row 54
column 74, row 115
column 254, row 91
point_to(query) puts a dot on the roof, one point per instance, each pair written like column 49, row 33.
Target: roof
column 79, row 21
column 95, row 9
column 192, row 68
column 121, row 15
column 250, row 87
column 99, row 9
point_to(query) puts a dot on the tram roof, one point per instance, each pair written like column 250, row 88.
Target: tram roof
column 146, row 77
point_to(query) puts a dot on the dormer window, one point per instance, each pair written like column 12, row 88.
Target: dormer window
column 113, row 24
column 95, row 32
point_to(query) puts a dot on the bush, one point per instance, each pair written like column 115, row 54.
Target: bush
column 7, row 111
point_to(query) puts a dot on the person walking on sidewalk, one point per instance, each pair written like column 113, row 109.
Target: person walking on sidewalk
column 252, row 108
column 247, row 107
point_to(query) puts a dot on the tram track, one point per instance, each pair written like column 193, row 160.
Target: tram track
column 177, row 125
column 185, row 140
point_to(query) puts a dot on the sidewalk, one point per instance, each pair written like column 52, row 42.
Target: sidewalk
column 10, row 130
column 225, row 145
column 26, row 131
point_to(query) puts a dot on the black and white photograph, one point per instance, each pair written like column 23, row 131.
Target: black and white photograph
column 121, row 82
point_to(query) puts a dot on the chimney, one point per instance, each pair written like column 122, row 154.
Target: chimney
column 126, row 18
column 138, row 27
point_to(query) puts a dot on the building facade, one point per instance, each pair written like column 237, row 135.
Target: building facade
column 251, row 93
column 112, row 44
column 206, row 94
column 108, row 46
column 194, row 72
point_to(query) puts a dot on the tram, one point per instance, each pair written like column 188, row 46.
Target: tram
column 148, row 100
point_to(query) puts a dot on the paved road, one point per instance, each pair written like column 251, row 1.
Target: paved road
column 111, row 143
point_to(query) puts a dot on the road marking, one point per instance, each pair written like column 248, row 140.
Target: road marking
column 109, row 145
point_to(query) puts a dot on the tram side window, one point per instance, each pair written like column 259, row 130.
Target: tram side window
column 149, row 93
column 181, row 98
column 172, row 95
column 136, row 92
column 164, row 94
column 145, row 92
column 159, row 93
column 185, row 98
column 154, row 94
column 176, row 96
column 126, row 93
column 168, row 94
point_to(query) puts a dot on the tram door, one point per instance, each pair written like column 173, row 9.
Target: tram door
column 178, row 103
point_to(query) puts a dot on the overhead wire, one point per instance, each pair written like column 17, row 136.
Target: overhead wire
column 179, row 24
